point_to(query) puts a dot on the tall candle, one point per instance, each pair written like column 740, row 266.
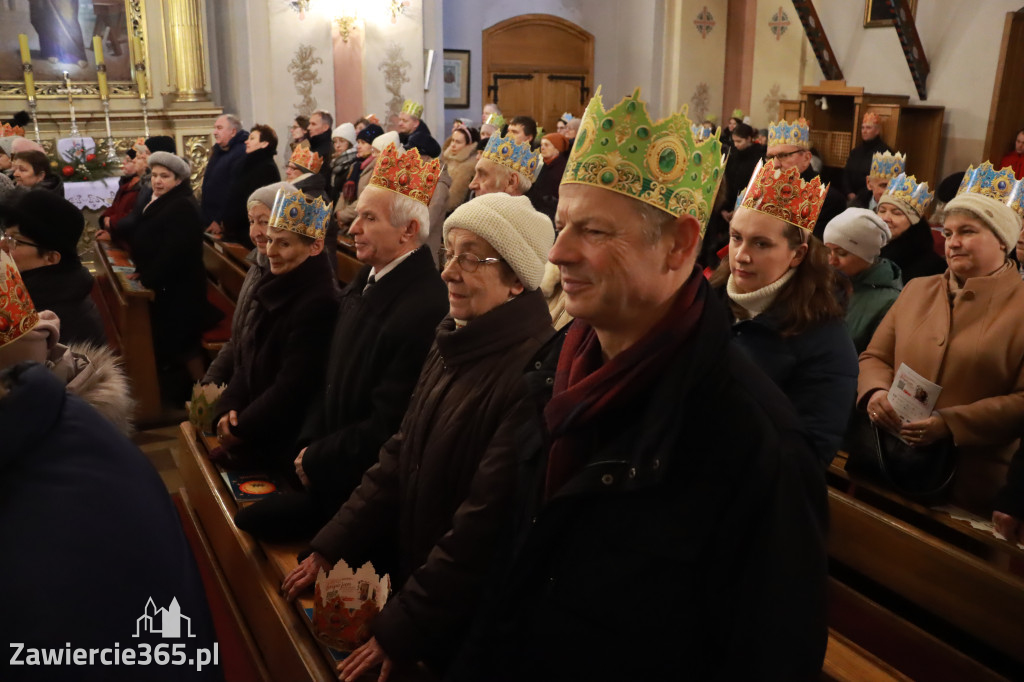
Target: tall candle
column 140, row 74
column 101, row 66
column 26, row 59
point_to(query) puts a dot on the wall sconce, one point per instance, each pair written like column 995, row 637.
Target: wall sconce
column 822, row 102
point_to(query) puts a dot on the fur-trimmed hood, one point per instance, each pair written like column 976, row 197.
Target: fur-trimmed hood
column 95, row 374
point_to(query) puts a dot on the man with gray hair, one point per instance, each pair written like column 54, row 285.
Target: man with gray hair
column 225, row 159
column 505, row 166
column 385, row 326
column 321, row 123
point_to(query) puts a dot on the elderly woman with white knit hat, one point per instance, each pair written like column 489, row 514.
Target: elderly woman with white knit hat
column 962, row 331
column 447, row 478
column 855, row 239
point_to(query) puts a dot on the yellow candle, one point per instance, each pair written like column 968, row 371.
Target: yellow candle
column 101, row 66
column 140, row 74
column 26, row 58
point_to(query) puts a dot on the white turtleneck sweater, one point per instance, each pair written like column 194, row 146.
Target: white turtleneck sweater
column 759, row 300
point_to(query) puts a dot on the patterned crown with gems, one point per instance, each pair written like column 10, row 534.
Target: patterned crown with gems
column 783, row 194
column 797, row 133
column 1000, row 185
column 296, row 212
column 18, row 315
column 406, row 173
column 412, row 108
column 7, row 130
column 908, row 190
column 496, row 120
column 305, row 158
column 886, row 166
column 506, row 152
column 659, row 163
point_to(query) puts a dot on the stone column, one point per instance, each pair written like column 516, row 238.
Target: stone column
column 185, row 49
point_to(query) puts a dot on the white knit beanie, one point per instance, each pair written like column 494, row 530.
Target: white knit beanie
column 172, row 162
column 522, row 235
column 381, row 142
column 859, row 231
column 1002, row 219
column 346, row 131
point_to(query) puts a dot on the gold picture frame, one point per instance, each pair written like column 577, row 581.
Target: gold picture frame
column 134, row 43
column 877, row 13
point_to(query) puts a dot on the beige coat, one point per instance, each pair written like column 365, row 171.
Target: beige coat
column 974, row 349
column 551, row 287
column 461, row 167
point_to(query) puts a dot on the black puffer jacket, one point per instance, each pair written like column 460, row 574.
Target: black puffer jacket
column 66, row 289
column 444, row 484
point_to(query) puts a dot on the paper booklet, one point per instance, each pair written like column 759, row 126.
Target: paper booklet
column 912, row 396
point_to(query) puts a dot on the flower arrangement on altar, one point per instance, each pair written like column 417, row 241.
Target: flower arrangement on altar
column 81, row 162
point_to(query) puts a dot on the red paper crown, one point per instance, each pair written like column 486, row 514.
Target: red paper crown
column 784, row 195
column 10, row 131
column 17, row 314
column 406, row 173
column 306, row 159
column 871, row 118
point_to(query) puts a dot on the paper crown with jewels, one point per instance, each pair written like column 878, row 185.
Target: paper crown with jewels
column 797, row 133
column 783, row 194
column 305, row 158
column 414, row 109
column 406, row 173
column 506, row 152
column 906, row 190
column 886, row 165
column 18, row 315
column 496, row 120
column 566, row 117
column 296, row 212
column 11, row 131
column 659, row 163
column 871, row 119
column 1000, row 185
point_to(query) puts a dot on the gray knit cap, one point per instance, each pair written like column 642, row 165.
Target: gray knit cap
column 177, row 165
column 266, row 195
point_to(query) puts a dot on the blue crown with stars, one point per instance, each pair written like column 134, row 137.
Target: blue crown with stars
column 911, row 192
column 507, row 152
column 797, row 133
column 1000, row 185
column 299, row 213
column 886, row 165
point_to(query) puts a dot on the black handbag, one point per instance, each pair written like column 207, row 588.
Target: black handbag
column 923, row 473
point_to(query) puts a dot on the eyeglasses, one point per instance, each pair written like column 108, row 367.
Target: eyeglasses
column 782, row 155
column 9, row 241
column 468, row 262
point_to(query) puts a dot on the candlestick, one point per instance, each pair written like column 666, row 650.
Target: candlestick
column 111, row 154
column 26, row 67
column 35, row 121
column 101, row 66
column 71, row 105
column 145, row 116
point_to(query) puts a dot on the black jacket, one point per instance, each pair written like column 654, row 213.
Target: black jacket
column 914, row 252
column 443, row 488
column 287, row 350
column 544, row 192
column 221, row 171
column 66, row 289
column 377, row 351
column 254, row 171
column 834, row 204
column 690, row 545
column 324, row 146
column 858, row 164
column 738, row 169
column 422, row 140
column 314, row 185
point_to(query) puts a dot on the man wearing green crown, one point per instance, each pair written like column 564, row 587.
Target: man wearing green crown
column 672, row 515
column 414, row 133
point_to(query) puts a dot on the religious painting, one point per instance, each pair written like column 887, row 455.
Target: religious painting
column 455, row 75
column 60, row 35
column 877, row 13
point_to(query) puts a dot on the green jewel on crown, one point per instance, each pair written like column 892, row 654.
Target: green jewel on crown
column 908, row 190
column 299, row 213
column 659, row 163
column 1000, row 185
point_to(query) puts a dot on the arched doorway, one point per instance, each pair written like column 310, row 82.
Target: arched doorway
column 538, row 65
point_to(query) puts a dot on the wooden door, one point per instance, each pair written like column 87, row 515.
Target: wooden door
column 538, row 65
column 1006, row 116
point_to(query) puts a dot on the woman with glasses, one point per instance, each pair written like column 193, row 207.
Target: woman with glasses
column 442, row 488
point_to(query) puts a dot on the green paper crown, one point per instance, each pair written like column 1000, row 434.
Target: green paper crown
column 658, row 163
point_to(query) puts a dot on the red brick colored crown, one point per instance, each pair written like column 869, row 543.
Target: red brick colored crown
column 783, row 194
column 406, row 173
column 17, row 314
column 306, row 158
column 10, row 131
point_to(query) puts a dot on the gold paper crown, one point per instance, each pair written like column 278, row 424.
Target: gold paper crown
column 871, row 118
column 658, row 163
column 797, row 134
column 505, row 151
column 305, row 158
column 10, row 131
column 406, row 174
column 886, row 165
column 1000, row 185
column 299, row 213
column 783, row 194
column 907, row 190
column 414, row 109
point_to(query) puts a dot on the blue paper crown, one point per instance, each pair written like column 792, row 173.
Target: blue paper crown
column 887, row 166
column 1000, row 185
column 505, row 151
column 298, row 213
column 911, row 192
column 797, row 133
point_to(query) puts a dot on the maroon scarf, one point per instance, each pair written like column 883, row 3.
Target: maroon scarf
column 587, row 389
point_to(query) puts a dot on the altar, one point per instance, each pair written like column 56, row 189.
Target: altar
column 92, row 195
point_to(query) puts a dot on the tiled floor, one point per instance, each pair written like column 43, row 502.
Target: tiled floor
column 160, row 444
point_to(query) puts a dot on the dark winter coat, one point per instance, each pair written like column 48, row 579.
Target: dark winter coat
column 834, row 204
column 323, row 145
column 858, row 164
column 914, row 252
column 254, row 171
column 422, row 140
column 380, row 342
column 231, row 356
column 738, row 169
column 286, row 350
column 97, row 533
column 816, row 369
column 66, row 289
column 123, row 203
column 544, row 192
column 690, row 546
column 444, row 484
column 167, row 247
column 52, row 182
column 874, row 292
column 221, row 171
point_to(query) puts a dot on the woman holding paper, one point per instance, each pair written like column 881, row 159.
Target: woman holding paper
column 962, row 331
